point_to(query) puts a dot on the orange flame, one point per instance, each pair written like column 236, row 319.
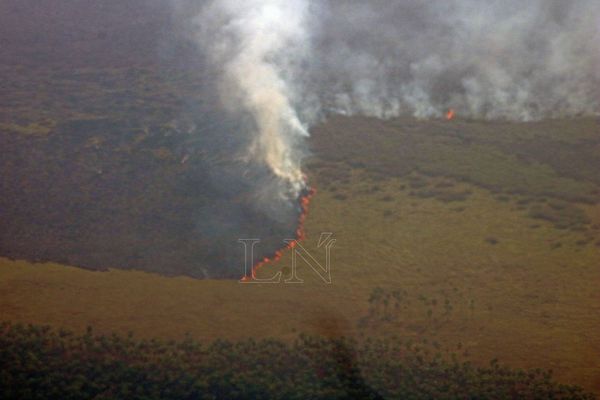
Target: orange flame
column 450, row 114
column 300, row 234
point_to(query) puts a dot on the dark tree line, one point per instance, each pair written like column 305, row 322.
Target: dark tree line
column 37, row 362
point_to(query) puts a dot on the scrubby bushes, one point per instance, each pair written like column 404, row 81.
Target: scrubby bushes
column 40, row 363
column 561, row 214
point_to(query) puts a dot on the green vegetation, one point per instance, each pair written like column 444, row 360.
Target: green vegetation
column 479, row 233
column 561, row 162
column 420, row 313
column 482, row 240
column 39, row 363
column 530, row 166
column 561, row 214
column 518, row 287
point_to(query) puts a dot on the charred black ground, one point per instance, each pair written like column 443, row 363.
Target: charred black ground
column 113, row 155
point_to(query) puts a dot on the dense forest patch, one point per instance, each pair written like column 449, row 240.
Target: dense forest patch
column 39, row 363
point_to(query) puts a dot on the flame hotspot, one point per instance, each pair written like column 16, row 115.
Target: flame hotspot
column 304, row 202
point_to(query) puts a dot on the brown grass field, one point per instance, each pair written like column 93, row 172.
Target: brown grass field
column 481, row 238
column 475, row 269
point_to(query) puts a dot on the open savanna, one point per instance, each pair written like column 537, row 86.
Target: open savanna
column 479, row 239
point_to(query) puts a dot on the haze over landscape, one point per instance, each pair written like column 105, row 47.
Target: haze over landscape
column 451, row 149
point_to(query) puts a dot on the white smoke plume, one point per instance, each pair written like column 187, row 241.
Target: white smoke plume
column 255, row 44
column 284, row 64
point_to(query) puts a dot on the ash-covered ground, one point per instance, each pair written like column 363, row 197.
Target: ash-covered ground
column 114, row 153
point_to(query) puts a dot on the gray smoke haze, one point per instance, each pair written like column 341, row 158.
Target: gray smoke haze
column 261, row 74
column 283, row 65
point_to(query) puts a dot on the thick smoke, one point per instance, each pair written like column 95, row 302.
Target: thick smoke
column 494, row 59
column 254, row 45
column 283, row 65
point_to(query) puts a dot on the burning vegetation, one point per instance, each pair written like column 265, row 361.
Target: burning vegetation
column 304, row 202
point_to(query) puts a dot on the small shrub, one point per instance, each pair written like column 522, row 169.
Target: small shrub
column 340, row 196
column 491, row 240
